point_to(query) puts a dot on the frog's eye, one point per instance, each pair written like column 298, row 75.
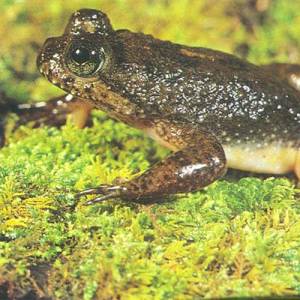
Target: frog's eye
column 81, row 55
column 84, row 61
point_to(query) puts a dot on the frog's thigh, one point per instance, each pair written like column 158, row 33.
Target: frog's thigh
column 273, row 159
column 196, row 165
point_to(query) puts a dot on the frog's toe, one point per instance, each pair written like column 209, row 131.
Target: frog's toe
column 94, row 191
column 100, row 199
column 105, row 191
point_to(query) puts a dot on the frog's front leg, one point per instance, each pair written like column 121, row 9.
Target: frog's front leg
column 54, row 112
column 199, row 161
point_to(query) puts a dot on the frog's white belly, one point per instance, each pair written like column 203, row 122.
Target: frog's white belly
column 273, row 158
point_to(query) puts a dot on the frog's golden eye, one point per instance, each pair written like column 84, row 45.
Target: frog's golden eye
column 83, row 60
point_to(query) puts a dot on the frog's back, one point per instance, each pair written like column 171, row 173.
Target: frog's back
column 230, row 97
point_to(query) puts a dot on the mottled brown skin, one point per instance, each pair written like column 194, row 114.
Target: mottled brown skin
column 196, row 101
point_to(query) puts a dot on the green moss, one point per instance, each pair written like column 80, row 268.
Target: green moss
column 230, row 239
column 268, row 43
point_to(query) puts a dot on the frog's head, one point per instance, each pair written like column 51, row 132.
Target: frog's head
column 78, row 60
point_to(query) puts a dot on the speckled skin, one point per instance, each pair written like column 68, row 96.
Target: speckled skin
column 193, row 100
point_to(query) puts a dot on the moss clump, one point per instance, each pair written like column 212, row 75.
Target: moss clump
column 237, row 239
column 231, row 239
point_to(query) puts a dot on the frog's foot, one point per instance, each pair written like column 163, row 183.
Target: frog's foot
column 54, row 112
column 106, row 191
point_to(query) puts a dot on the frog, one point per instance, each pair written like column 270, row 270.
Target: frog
column 213, row 110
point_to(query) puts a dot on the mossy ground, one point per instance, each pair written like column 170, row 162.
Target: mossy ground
column 231, row 239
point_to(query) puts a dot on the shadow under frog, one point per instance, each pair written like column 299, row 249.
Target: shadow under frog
column 214, row 110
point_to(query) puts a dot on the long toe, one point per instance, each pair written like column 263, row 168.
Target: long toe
column 101, row 199
column 93, row 191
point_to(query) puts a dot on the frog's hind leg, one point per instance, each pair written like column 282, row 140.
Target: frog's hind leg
column 289, row 73
column 198, row 161
column 55, row 111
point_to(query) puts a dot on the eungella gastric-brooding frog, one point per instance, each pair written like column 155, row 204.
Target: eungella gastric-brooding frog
column 214, row 110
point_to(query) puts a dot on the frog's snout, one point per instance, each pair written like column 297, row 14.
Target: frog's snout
column 43, row 55
column 49, row 59
column 49, row 43
column 46, row 52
